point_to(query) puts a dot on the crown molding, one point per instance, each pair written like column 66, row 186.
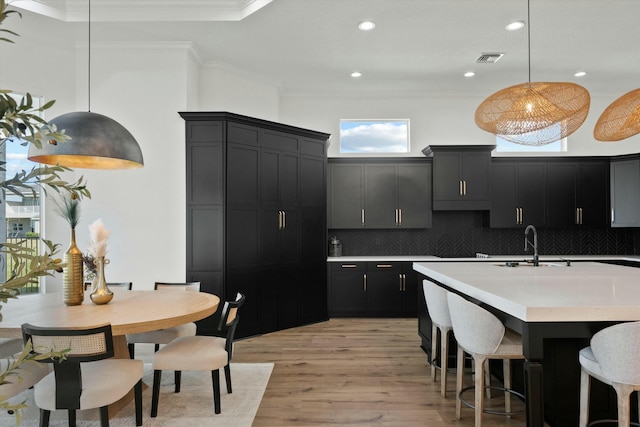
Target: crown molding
column 142, row 10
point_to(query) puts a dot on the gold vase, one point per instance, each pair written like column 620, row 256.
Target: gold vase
column 72, row 274
column 101, row 294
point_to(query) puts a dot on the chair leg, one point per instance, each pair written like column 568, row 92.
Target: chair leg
column 44, row 418
column 72, row 417
column 487, row 379
column 104, row 416
column 227, row 377
column 506, row 372
column 157, row 376
column 434, row 351
column 444, row 361
column 177, row 378
column 479, row 391
column 585, row 388
column 137, row 391
column 215, row 377
column 132, row 350
column 459, row 380
column 623, row 392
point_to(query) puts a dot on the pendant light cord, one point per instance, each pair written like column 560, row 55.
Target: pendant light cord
column 528, row 36
column 89, row 61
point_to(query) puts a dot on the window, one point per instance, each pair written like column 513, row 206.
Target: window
column 21, row 212
column 374, row 136
column 505, row 146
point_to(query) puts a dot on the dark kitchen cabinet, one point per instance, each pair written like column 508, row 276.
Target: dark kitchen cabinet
column 577, row 193
column 592, row 193
column 257, row 211
column 461, row 177
column 625, row 197
column 517, row 193
column 378, row 289
column 375, row 195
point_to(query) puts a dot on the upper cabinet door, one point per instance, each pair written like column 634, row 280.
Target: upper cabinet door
column 414, row 198
column 380, row 196
column 625, row 197
column 346, row 192
column 560, row 197
column 592, row 194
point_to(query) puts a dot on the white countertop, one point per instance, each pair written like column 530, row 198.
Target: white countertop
column 491, row 258
column 585, row 291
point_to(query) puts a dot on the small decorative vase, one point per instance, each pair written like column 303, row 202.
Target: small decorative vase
column 73, row 274
column 100, row 293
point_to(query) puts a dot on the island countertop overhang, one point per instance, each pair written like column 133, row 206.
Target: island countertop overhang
column 585, row 291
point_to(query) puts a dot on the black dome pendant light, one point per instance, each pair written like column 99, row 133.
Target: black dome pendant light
column 96, row 141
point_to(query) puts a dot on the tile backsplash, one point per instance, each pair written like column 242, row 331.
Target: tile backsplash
column 463, row 233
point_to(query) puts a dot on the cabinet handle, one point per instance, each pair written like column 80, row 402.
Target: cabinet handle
column 348, row 266
column 284, row 220
column 400, row 216
column 279, row 220
column 581, row 216
column 400, row 280
column 577, row 215
column 464, row 188
column 362, row 216
column 396, row 216
column 460, row 185
column 384, row 265
column 613, row 218
column 364, row 280
column 517, row 215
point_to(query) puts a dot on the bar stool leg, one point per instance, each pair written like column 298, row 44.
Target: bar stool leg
column 506, row 371
column 434, row 351
column 585, row 386
column 444, row 361
column 479, row 391
column 459, row 380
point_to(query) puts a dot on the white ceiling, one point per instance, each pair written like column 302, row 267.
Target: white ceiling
column 417, row 47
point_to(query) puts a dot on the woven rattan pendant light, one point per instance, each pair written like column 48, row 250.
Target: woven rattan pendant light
column 621, row 119
column 535, row 113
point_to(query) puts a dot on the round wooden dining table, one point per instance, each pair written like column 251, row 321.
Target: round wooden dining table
column 128, row 312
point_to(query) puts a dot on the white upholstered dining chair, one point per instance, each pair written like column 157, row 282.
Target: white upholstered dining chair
column 199, row 353
column 165, row 336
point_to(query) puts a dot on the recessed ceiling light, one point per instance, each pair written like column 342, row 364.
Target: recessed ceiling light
column 515, row 25
column 580, row 74
column 469, row 74
column 366, row 25
column 356, row 74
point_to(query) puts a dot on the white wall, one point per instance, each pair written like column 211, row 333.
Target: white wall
column 224, row 88
column 435, row 119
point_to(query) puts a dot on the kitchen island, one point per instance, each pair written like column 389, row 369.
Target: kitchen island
column 550, row 305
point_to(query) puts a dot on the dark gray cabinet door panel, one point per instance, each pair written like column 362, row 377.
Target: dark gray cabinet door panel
column 380, row 201
column 625, row 197
column 346, row 195
column 414, row 198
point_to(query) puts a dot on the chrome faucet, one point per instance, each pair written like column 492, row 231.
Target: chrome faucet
column 527, row 243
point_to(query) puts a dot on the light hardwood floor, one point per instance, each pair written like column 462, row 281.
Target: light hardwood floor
column 364, row 372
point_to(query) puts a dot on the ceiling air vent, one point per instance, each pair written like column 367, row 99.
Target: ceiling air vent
column 489, row 58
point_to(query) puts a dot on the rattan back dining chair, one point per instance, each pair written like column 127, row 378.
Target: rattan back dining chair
column 87, row 376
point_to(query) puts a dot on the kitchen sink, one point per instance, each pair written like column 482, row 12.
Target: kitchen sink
column 527, row 263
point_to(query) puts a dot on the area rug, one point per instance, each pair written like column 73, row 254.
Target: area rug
column 193, row 406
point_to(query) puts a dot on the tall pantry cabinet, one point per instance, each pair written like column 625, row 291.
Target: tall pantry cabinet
column 256, row 218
